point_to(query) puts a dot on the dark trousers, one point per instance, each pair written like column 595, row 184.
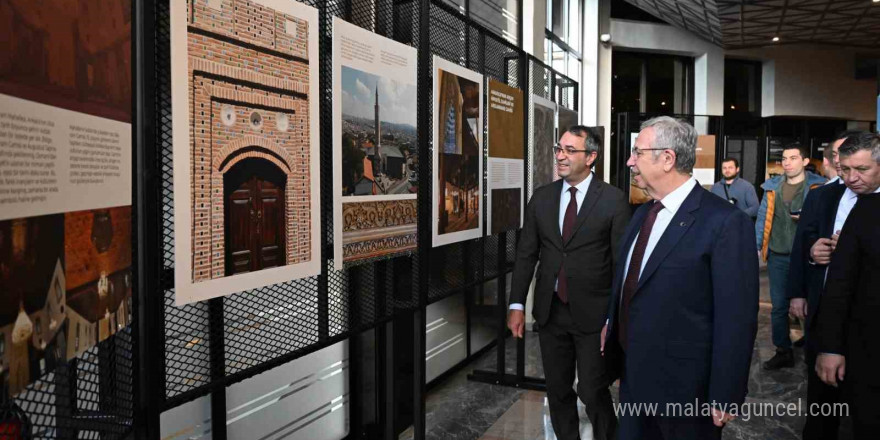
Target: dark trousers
column 654, row 427
column 864, row 408
column 820, row 427
column 777, row 272
column 564, row 348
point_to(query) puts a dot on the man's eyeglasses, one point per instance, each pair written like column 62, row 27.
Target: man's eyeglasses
column 637, row 152
column 567, row 150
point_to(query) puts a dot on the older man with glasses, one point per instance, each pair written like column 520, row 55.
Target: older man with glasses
column 684, row 310
column 573, row 227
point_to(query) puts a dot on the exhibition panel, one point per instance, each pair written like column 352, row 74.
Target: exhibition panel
column 249, row 184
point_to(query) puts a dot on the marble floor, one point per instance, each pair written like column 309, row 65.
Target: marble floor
column 465, row 410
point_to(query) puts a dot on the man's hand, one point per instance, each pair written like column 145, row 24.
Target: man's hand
column 795, row 217
column 720, row 418
column 602, row 339
column 516, row 322
column 831, row 368
column 821, row 251
column 834, row 239
column 798, row 308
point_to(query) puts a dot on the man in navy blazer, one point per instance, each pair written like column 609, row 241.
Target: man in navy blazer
column 683, row 315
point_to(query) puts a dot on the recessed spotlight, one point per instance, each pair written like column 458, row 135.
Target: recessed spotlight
column 775, row 39
column 733, row 107
column 663, row 103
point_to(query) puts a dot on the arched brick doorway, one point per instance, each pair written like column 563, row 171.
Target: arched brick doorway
column 254, row 215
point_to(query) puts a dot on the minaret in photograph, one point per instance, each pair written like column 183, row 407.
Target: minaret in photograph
column 379, row 168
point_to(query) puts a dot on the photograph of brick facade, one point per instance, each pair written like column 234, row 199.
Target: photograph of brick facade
column 250, row 143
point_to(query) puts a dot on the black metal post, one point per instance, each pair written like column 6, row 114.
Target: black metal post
column 148, row 298
column 218, row 369
column 424, row 98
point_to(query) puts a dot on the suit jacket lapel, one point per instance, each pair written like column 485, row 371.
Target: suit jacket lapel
column 594, row 191
column 553, row 207
column 681, row 222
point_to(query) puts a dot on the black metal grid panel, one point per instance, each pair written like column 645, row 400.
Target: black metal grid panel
column 460, row 266
column 90, row 397
column 265, row 326
column 208, row 346
column 545, row 82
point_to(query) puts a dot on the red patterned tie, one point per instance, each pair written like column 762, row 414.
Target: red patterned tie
column 567, row 229
column 635, row 268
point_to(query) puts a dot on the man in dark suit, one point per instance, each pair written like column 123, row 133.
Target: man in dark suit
column 847, row 321
column 572, row 226
column 685, row 300
column 822, row 217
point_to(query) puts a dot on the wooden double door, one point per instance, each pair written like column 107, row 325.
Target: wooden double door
column 253, row 192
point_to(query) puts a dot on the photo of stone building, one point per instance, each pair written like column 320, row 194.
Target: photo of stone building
column 250, row 147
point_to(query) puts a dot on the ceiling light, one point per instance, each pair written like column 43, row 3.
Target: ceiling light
column 733, row 107
column 775, row 39
column 663, row 103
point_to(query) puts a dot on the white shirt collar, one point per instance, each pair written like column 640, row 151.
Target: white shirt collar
column 582, row 187
column 673, row 200
column 835, row 179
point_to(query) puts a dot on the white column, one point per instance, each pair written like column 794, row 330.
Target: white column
column 596, row 90
column 534, row 21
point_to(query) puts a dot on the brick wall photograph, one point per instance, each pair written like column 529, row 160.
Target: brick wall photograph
column 250, row 140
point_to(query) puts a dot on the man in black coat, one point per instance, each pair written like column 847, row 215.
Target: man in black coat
column 572, row 227
column 822, row 217
column 847, row 321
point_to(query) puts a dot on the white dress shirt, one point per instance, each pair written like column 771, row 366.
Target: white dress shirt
column 844, row 207
column 671, row 203
column 836, row 179
column 564, row 200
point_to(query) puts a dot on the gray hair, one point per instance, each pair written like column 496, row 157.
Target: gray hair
column 678, row 136
column 862, row 141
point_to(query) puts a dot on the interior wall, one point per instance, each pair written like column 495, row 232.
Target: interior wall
column 813, row 81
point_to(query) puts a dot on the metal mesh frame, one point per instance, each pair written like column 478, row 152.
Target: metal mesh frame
column 199, row 349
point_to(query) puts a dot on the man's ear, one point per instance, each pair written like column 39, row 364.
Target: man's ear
column 669, row 158
column 591, row 159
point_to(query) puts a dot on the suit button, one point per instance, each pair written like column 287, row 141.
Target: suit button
column 564, row 254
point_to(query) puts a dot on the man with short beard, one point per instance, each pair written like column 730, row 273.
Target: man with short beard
column 736, row 190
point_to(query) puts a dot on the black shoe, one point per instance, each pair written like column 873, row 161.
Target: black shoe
column 784, row 358
column 799, row 343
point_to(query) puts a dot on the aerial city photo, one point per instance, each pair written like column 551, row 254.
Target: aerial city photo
column 379, row 153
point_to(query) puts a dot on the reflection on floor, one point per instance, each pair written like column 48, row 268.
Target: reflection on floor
column 458, row 409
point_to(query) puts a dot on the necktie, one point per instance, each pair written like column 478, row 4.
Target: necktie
column 567, row 230
column 635, row 268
